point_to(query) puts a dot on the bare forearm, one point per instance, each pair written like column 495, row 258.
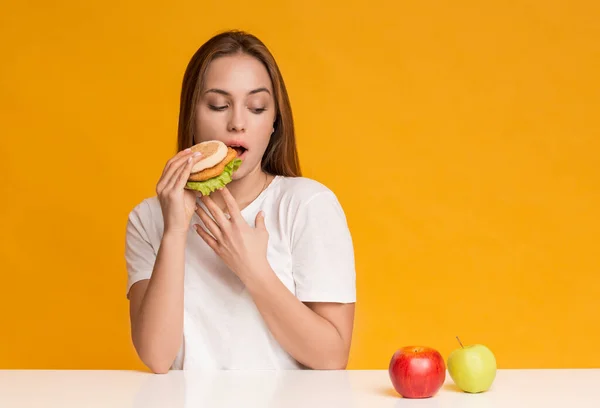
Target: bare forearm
column 309, row 338
column 158, row 328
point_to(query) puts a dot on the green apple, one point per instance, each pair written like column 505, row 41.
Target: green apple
column 472, row 368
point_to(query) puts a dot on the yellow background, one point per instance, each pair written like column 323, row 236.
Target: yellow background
column 462, row 138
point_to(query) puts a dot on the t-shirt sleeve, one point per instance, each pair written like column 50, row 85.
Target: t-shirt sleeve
column 322, row 252
column 139, row 253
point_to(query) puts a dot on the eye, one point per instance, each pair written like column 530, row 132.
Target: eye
column 258, row 110
column 217, row 108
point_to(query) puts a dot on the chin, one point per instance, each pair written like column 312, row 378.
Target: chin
column 240, row 173
column 244, row 170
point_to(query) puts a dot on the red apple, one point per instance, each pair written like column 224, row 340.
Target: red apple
column 417, row 371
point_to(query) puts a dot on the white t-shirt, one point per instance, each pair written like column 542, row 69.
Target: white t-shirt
column 310, row 249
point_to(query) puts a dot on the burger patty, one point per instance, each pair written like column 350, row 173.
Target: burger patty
column 215, row 170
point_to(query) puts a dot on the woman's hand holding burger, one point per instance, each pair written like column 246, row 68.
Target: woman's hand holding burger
column 177, row 203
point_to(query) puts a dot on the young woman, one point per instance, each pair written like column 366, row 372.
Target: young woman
column 273, row 284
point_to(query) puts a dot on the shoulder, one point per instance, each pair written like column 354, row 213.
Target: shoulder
column 311, row 215
column 145, row 208
column 302, row 195
column 300, row 192
column 146, row 214
column 302, row 189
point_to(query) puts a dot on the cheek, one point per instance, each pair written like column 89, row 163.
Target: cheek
column 258, row 140
column 207, row 126
column 264, row 126
column 262, row 136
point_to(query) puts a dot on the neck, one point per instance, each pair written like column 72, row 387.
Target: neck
column 246, row 189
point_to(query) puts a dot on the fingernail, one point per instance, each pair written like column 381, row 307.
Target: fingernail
column 196, row 154
column 189, row 160
column 188, row 149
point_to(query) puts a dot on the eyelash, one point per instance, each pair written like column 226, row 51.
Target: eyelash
column 222, row 108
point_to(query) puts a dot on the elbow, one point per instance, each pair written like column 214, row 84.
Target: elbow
column 156, row 361
column 332, row 366
column 155, row 356
column 157, row 364
column 339, row 364
column 331, row 362
column 333, row 356
column 158, row 368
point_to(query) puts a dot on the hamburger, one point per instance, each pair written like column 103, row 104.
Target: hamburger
column 215, row 167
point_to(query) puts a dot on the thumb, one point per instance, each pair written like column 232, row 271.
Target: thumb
column 260, row 220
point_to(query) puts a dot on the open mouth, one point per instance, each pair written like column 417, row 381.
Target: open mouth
column 239, row 149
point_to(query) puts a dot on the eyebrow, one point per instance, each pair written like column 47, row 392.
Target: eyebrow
column 222, row 92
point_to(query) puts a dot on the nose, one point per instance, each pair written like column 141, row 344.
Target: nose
column 237, row 121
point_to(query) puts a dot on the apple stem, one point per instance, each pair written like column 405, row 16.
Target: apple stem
column 459, row 342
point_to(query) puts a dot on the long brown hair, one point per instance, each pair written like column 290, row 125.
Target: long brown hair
column 281, row 155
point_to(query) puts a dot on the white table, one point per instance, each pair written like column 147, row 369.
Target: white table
column 285, row 389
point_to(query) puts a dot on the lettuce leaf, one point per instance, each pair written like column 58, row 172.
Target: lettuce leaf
column 213, row 184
